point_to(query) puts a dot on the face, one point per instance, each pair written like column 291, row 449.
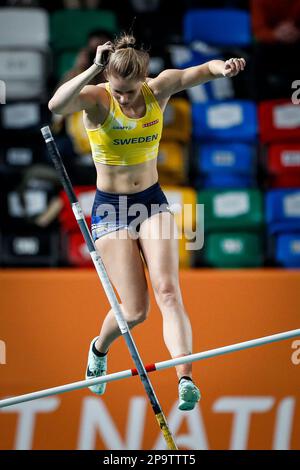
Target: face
column 125, row 91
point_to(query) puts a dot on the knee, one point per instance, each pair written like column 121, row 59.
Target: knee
column 139, row 312
column 167, row 293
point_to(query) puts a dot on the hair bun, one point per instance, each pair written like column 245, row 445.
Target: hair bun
column 125, row 41
column 131, row 64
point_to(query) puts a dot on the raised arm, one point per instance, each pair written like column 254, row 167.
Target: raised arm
column 75, row 94
column 172, row 81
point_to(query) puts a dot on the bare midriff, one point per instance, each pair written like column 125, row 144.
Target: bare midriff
column 126, row 179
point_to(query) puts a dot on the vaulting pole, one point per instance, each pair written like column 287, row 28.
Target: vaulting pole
column 151, row 367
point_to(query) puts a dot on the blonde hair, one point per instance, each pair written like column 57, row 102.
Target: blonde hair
column 127, row 61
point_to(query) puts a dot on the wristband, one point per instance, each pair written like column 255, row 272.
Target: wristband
column 99, row 65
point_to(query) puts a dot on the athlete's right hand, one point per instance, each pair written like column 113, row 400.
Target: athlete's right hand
column 102, row 53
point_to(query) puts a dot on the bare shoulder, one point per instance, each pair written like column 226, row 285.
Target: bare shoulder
column 101, row 85
column 97, row 114
column 101, row 89
column 162, row 100
column 98, row 92
column 151, row 83
column 166, row 83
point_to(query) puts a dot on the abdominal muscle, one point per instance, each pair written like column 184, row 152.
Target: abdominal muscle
column 126, row 179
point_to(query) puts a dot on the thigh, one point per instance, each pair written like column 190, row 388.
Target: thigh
column 122, row 260
column 158, row 238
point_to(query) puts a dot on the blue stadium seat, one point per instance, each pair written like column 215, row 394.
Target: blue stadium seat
column 224, row 181
column 184, row 57
column 230, row 27
column 225, row 121
column 227, row 165
column 283, row 211
column 227, row 158
column 288, row 250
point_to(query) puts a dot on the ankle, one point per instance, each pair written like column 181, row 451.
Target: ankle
column 185, row 377
column 98, row 352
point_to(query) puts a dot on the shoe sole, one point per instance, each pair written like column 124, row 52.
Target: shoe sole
column 190, row 401
column 187, row 405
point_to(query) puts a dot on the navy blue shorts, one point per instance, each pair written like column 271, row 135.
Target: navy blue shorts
column 115, row 211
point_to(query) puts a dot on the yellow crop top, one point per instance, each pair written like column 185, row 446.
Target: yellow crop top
column 121, row 140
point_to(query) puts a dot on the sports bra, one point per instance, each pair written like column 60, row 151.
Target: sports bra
column 121, row 140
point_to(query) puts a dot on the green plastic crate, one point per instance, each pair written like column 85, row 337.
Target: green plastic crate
column 232, row 210
column 233, row 250
column 64, row 63
column 69, row 29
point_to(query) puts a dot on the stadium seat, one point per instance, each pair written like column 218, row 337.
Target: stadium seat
column 171, row 162
column 157, row 64
column 183, row 57
column 232, row 210
column 20, row 154
column 279, row 121
column 75, row 250
column 183, row 204
column 188, row 56
column 30, row 248
column 75, row 129
column 288, row 250
column 85, row 195
column 23, row 199
column 227, row 121
column 70, row 28
column 23, row 118
column 24, row 74
column 216, row 90
column 283, row 211
column 177, row 121
column 285, row 181
column 233, row 250
column 229, row 180
column 227, row 165
column 65, row 62
column 230, row 27
column 24, row 27
column 283, row 164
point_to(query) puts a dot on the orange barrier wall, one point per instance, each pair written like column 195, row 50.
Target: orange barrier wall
column 250, row 398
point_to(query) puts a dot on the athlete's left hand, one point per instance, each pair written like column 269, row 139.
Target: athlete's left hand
column 233, row 67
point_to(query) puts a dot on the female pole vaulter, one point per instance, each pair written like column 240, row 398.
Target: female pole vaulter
column 124, row 119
